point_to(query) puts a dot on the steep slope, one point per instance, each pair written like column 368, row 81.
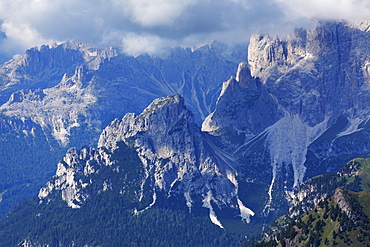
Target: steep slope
column 299, row 108
column 182, row 163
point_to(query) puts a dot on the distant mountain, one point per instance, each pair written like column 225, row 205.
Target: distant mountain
column 104, row 78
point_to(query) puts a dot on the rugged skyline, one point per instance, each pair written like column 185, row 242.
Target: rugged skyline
column 298, row 109
column 149, row 26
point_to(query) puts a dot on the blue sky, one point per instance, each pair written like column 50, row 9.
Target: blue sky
column 150, row 25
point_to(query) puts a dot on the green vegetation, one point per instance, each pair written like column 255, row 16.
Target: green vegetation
column 26, row 162
column 320, row 223
column 353, row 176
column 328, row 225
column 28, row 158
column 105, row 221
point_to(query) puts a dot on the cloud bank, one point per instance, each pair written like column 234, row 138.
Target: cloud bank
column 149, row 25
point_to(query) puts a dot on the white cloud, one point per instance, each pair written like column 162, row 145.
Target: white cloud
column 18, row 38
column 148, row 25
column 151, row 13
column 135, row 44
column 23, row 34
column 353, row 10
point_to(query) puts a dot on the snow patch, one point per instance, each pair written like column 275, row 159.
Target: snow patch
column 245, row 212
column 268, row 204
column 136, row 212
column 232, row 178
column 189, row 201
column 287, row 141
column 212, row 215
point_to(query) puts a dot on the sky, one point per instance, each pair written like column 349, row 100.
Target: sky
column 138, row 26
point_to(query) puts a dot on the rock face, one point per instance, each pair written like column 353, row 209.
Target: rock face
column 298, row 109
column 68, row 179
column 343, row 200
column 178, row 164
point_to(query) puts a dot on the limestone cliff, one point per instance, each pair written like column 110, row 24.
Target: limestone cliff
column 178, row 163
column 299, row 108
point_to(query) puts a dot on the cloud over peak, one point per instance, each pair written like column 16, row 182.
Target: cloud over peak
column 149, row 25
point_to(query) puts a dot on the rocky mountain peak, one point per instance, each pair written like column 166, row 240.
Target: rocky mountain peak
column 244, row 77
column 285, row 104
column 240, row 99
column 80, row 78
column 304, row 74
column 180, row 164
column 79, row 89
column 164, row 116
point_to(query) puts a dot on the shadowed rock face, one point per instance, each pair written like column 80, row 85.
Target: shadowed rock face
column 298, row 109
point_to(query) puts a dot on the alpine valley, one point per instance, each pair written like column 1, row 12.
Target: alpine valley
column 273, row 141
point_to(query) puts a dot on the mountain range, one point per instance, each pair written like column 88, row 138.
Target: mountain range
column 297, row 108
column 61, row 96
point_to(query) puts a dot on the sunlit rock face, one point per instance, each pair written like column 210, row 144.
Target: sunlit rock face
column 298, row 108
column 177, row 162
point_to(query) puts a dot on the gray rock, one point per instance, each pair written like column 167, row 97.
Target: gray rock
column 298, row 109
column 179, row 162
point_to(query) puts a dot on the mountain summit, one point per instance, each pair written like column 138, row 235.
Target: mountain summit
column 180, row 165
column 296, row 110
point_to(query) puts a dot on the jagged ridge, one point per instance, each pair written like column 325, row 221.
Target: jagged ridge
column 298, row 109
column 178, row 162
